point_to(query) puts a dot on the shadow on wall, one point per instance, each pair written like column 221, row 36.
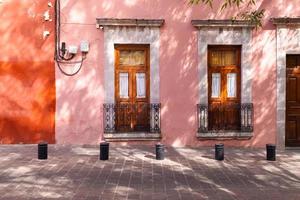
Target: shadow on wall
column 27, row 98
column 27, row 76
column 78, row 103
column 80, row 98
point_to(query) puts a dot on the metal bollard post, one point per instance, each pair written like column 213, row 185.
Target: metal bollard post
column 104, row 151
column 43, row 151
column 271, row 152
column 219, row 151
column 160, row 151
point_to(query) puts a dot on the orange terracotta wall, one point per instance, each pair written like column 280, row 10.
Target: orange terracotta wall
column 27, row 73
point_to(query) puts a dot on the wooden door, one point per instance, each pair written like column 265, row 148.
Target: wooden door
column 292, row 100
column 224, row 85
column 132, row 89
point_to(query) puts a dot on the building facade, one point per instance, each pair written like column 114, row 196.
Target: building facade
column 139, row 72
column 27, row 73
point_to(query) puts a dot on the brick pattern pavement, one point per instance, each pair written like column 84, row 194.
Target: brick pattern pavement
column 75, row 172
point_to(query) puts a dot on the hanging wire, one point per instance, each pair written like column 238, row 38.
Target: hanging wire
column 60, row 59
column 70, row 74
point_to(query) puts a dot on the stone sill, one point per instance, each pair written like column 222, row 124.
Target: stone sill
column 225, row 135
column 132, row 136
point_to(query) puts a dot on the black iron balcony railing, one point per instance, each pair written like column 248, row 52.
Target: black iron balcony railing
column 229, row 117
column 139, row 117
column 247, row 117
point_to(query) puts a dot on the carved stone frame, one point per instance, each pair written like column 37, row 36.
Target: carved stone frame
column 225, row 32
column 285, row 45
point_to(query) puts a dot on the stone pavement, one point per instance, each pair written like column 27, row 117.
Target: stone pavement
column 75, row 172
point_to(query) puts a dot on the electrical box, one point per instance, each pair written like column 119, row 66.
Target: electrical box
column 72, row 49
column 84, row 46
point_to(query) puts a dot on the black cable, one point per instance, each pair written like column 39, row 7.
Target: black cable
column 70, row 62
column 60, row 59
column 58, row 34
column 72, row 74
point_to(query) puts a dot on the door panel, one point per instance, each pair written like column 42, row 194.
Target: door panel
column 123, row 117
column 215, row 119
column 134, row 61
column 142, row 117
column 293, row 100
column 224, row 87
column 292, row 129
column 292, row 86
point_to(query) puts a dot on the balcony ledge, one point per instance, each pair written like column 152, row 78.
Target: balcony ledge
column 225, row 135
column 140, row 136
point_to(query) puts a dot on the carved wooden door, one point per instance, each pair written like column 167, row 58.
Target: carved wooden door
column 224, row 78
column 292, row 100
column 132, row 88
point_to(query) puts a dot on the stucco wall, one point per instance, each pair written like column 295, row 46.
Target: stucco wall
column 288, row 39
column 80, row 98
column 27, row 79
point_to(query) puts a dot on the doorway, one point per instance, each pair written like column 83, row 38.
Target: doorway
column 224, row 87
column 292, row 129
column 132, row 88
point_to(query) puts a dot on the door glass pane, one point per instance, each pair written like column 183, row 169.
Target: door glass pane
column 223, row 58
column 292, row 61
column 140, row 85
column 231, row 85
column 216, row 85
column 132, row 57
column 229, row 58
column 216, row 58
column 123, row 85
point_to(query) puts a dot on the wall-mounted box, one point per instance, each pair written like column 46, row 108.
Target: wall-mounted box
column 84, row 46
column 72, row 49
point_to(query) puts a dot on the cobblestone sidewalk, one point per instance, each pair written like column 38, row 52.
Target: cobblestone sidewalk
column 75, row 172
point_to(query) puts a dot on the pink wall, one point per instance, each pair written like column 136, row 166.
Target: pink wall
column 80, row 98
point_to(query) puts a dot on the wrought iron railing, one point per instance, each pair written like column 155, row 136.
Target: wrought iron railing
column 109, row 116
column 145, row 116
column 202, row 116
column 247, row 117
column 229, row 117
column 155, row 117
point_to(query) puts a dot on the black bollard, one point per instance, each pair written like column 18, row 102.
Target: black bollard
column 219, row 151
column 160, row 151
column 271, row 152
column 104, row 150
column 43, row 150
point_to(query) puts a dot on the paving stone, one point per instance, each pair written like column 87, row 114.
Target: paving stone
column 75, row 172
